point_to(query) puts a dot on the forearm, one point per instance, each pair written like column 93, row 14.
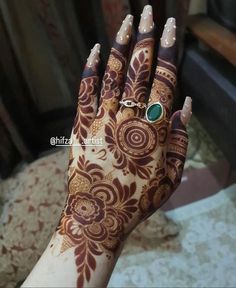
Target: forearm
column 58, row 268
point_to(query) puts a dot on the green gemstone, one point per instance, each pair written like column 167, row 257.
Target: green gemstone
column 154, row 112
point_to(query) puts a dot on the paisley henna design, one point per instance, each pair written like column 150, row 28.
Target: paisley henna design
column 95, row 215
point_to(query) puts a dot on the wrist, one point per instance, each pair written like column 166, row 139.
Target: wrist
column 60, row 266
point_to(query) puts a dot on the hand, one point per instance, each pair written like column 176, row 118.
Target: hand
column 138, row 161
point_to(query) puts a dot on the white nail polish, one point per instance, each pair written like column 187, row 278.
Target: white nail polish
column 146, row 20
column 168, row 35
column 125, row 29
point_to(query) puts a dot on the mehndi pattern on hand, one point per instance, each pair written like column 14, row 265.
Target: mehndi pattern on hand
column 115, row 187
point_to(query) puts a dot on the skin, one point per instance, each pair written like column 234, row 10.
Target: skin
column 116, row 185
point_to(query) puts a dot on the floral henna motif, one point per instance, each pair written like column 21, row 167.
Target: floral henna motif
column 112, row 81
column 86, row 107
column 95, row 215
column 113, row 77
column 132, row 142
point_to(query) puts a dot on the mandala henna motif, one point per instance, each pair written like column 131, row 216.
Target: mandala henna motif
column 132, row 142
column 95, row 215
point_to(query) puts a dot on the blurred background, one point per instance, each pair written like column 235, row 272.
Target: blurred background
column 43, row 48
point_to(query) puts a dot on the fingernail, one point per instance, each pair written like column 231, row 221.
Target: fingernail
column 93, row 58
column 146, row 22
column 124, row 34
column 169, row 33
column 186, row 111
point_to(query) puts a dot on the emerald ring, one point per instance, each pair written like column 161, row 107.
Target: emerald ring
column 154, row 112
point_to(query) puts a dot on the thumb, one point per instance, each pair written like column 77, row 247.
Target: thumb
column 178, row 143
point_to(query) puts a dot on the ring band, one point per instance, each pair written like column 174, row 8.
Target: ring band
column 130, row 104
column 155, row 112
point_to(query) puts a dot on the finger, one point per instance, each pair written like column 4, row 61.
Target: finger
column 87, row 99
column 163, row 88
column 114, row 76
column 140, row 65
column 178, row 142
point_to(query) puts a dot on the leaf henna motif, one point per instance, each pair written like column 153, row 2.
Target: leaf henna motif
column 138, row 72
column 86, row 107
column 85, row 261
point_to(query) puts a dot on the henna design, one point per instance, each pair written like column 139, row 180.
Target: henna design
column 112, row 81
column 95, row 214
column 154, row 194
column 101, row 211
column 161, row 93
column 132, row 143
column 139, row 71
column 86, row 107
column 177, row 147
column 113, row 77
column 160, row 188
column 164, row 82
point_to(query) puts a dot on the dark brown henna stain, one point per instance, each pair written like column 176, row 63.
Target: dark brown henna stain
column 177, row 148
column 113, row 80
column 164, row 82
column 100, row 211
column 86, row 107
column 132, row 142
column 139, row 70
column 95, row 215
